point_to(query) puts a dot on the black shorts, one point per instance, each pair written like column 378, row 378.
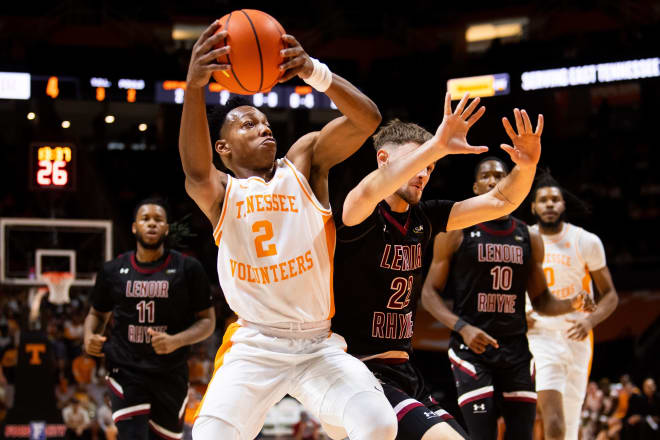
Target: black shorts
column 509, row 370
column 415, row 408
column 160, row 395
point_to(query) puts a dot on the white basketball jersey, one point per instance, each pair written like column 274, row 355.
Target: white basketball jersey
column 276, row 244
column 569, row 257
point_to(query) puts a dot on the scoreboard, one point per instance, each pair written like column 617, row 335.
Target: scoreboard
column 15, row 86
column 280, row 96
column 52, row 166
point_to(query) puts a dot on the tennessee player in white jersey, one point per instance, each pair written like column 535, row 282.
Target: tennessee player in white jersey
column 295, row 268
column 275, row 236
column 563, row 345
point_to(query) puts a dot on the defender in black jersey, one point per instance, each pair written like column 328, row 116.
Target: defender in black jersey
column 487, row 268
column 160, row 303
column 381, row 241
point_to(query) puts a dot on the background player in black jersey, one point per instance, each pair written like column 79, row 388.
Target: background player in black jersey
column 160, row 303
column 487, row 268
column 385, row 232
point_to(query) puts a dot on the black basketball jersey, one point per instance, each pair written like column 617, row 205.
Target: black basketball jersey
column 35, row 379
column 378, row 275
column 163, row 295
column 488, row 276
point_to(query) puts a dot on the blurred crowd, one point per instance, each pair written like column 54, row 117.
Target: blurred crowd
column 621, row 411
column 80, row 390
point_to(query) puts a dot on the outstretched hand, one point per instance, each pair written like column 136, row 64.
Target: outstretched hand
column 452, row 132
column 526, row 149
column 205, row 53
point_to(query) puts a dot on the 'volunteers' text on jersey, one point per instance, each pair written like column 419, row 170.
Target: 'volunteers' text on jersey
column 275, row 244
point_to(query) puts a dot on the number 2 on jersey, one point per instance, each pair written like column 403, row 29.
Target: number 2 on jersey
column 402, row 287
column 266, row 235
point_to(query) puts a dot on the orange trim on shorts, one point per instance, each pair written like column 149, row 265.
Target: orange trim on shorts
column 330, row 240
column 591, row 358
column 217, row 233
column 219, row 358
column 316, row 204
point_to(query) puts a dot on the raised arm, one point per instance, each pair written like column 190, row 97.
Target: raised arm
column 542, row 300
column 509, row 193
column 204, row 182
column 342, row 136
column 450, row 138
column 444, row 246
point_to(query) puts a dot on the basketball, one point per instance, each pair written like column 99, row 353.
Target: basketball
column 256, row 41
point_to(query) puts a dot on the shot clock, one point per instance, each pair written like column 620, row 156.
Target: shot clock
column 52, row 166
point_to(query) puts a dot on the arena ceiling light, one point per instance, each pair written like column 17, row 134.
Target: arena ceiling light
column 186, row 31
column 66, row 124
column 109, row 119
column 143, row 127
column 32, row 116
column 503, row 29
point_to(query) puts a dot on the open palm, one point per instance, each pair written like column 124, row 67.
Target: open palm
column 452, row 132
column 526, row 149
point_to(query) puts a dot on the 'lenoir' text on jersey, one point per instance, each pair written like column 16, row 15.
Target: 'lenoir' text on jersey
column 163, row 295
column 489, row 276
column 378, row 267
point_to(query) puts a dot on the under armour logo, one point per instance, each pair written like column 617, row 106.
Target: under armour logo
column 519, row 238
column 418, row 229
column 123, row 270
column 479, row 407
column 170, row 271
column 475, row 234
column 464, row 347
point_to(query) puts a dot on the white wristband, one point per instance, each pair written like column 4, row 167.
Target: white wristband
column 321, row 77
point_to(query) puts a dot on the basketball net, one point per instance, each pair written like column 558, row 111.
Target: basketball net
column 58, row 286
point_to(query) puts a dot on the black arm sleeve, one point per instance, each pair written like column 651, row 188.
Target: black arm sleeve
column 199, row 287
column 101, row 298
column 438, row 213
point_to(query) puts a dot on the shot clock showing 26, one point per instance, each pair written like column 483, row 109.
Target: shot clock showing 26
column 52, row 166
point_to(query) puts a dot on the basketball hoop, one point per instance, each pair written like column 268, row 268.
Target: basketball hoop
column 58, row 286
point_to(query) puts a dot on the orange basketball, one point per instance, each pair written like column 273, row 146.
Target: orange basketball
column 256, row 40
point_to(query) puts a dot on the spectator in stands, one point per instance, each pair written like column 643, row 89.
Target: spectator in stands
column 63, row 392
column 104, row 419
column 76, row 419
column 83, row 368
column 306, row 428
column 643, row 414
